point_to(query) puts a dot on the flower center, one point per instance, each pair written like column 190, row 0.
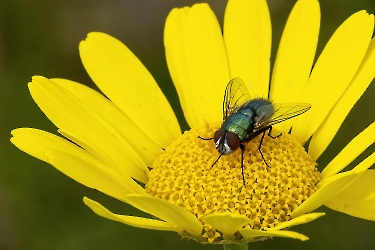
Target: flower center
column 185, row 175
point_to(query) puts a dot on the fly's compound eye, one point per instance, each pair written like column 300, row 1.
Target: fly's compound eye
column 218, row 134
column 233, row 141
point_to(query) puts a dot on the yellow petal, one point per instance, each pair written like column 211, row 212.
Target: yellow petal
column 359, row 144
column 147, row 149
column 169, row 212
column 206, row 60
column 178, row 65
column 36, row 142
column 296, row 221
column 92, row 176
column 358, row 199
column 90, row 131
column 250, row 234
column 295, row 55
column 128, row 84
column 74, row 162
column 129, row 220
column 332, row 186
column 333, row 72
column 247, row 35
column 227, row 223
column 365, row 164
column 328, row 129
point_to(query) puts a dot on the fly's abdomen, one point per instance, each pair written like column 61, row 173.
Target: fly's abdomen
column 255, row 103
column 240, row 123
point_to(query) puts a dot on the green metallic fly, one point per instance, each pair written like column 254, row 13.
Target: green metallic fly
column 245, row 118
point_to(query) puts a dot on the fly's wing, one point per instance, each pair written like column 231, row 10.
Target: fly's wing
column 236, row 93
column 269, row 115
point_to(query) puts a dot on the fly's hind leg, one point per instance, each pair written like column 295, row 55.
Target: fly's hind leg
column 260, row 146
column 269, row 133
column 261, row 141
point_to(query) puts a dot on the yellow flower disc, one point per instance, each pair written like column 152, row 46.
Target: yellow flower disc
column 184, row 175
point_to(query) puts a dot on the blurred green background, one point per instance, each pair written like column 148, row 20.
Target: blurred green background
column 40, row 208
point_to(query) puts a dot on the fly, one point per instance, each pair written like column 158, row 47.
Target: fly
column 245, row 118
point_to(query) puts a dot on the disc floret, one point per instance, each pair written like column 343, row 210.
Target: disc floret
column 184, row 175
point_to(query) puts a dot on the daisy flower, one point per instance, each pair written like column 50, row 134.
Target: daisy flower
column 128, row 144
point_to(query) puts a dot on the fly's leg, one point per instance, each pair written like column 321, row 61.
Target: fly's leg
column 261, row 141
column 242, row 168
column 206, row 139
column 260, row 145
column 216, row 160
column 269, row 133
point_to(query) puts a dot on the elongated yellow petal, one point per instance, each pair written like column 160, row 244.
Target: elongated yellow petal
column 128, row 84
column 328, row 129
column 250, row 233
column 74, row 162
column 147, row 149
column 365, row 164
column 171, row 213
column 97, row 136
column 36, row 142
column 333, row 72
column 178, row 66
column 296, row 221
column 332, row 186
column 92, row 176
column 86, row 127
column 206, row 60
column 129, row 220
column 351, row 151
column 358, row 199
column 247, row 35
column 295, row 56
column 228, row 223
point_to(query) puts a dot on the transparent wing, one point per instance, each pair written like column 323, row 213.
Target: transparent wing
column 235, row 94
column 269, row 115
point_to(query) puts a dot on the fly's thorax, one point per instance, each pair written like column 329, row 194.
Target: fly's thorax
column 240, row 123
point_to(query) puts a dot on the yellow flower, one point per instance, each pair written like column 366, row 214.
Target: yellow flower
column 113, row 142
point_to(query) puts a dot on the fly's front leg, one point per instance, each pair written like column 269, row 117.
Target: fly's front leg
column 206, row 139
column 216, row 160
column 242, row 168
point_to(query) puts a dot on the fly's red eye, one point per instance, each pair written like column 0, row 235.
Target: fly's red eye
column 233, row 141
column 218, row 134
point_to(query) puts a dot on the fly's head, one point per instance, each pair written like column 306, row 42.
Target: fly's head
column 226, row 142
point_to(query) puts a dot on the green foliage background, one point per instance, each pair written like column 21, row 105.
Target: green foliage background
column 40, row 208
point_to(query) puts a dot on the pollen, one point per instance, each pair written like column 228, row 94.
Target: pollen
column 184, row 174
